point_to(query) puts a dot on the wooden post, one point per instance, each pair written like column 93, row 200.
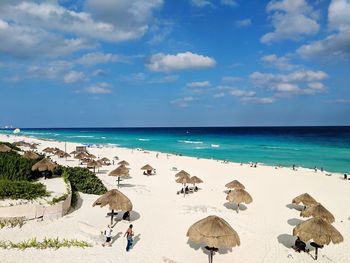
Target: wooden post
column 316, row 253
column 112, row 217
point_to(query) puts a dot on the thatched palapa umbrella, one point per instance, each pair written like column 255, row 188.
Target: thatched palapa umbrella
column 123, row 163
column 318, row 211
column 147, row 168
column 31, row 155
column 93, row 164
column 48, row 150
column 182, row 173
column 305, row 199
column 116, row 200
column 235, row 184
column 215, row 232
column 239, row 196
column 318, row 230
column 121, row 171
column 45, row 166
column 4, row 148
column 81, row 155
column 196, row 180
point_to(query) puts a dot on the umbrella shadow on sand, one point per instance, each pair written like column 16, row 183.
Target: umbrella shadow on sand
column 294, row 221
column 197, row 246
column 286, row 240
column 234, row 206
column 296, row 207
column 118, row 216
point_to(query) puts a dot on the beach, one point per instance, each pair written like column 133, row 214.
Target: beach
column 161, row 217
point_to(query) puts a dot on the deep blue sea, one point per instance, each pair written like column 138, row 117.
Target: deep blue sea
column 326, row 147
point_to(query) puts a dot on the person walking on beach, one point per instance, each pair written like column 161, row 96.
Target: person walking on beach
column 129, row 234
column 108, row 235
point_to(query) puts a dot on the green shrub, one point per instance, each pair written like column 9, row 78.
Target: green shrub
column 54, row 243
column 15, row 167
column 12, row 222
column 83, row 180
column 21, row 190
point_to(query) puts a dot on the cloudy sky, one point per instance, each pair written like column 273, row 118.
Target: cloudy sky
column 122, row 63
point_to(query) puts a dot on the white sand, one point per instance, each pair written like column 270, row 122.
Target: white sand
column 163, row 217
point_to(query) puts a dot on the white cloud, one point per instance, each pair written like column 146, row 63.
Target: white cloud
column 99, row 73
column 183, row 102
column 35, row 42
column 336, row 45
column 243, row 23
column 51, row 70
column 241, row 93
column 99, row 88
column 231, row 3
column 99, row 58
column 281, row 63
column 257, row 100
column 199, row 84
column 73, row 76
column 298, row 82
column 291, row 19
column 201, row 3
column 42, row 28
column 342, row 101
column 180, row 61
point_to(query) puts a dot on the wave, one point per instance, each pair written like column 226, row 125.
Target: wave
column 215, row 145
column 143, row 140
column 194, row 142
column 39, row 133
column 81, row 136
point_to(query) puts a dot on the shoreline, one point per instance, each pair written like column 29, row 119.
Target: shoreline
column 111, row 145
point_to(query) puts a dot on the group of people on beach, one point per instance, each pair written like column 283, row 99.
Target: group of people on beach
column 128, row 234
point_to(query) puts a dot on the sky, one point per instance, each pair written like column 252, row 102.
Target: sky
column 145, row 63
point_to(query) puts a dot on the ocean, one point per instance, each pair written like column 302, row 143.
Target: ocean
column 323, row 147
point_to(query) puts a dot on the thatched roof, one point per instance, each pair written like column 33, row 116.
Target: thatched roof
column 49, row 150
column 305, row 198
column 123, row 163
column 319, row 211
column 182, row 173
column 105, row 159
column 238, row 196
column 184, row 180
column 116, row 201
column 93, row 163
column 90, row 155
column 318, row 230
column 81, row 155
column 121, row 171
column 4, row 148
column 147, row 167
column 235, row 185
column 31, row 155
column 214, row 232
column 44, row 165
column 196, row 180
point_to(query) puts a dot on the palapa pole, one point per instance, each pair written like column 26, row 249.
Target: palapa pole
column 316, row 253
column 112, row 217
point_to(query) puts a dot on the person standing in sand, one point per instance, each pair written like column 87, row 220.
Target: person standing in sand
column 129, row 234
column 108, row 235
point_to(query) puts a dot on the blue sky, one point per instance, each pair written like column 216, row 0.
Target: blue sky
column 123, row 63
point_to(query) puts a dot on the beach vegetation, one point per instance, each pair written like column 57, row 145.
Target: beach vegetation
column 12, row 222
column 15, row 167
column 54, row 243
column 83, row 180
column 21, row 190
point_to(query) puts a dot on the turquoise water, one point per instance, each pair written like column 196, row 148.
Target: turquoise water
column 326, row 147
